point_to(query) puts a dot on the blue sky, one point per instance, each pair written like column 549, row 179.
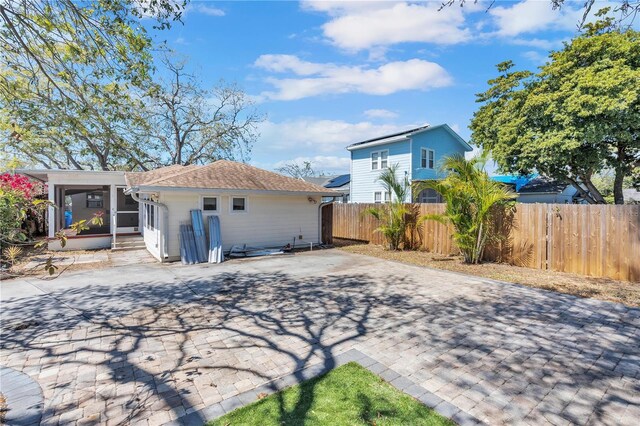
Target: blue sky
column 327, row 74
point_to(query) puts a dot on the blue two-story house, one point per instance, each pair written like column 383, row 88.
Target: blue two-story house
column 418, row 153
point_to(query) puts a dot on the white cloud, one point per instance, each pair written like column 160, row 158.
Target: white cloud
column 312, row 79
column 318, row 137
column 323, row 163
column 363, row 25
column 532, row 16
column 535, row 56
column 536, row 42
column 376, row 25
column 285, row 63
column 204, row 9
column 380, row 113
column 337, row 8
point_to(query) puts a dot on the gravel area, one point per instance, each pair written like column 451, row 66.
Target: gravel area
column 594, row 288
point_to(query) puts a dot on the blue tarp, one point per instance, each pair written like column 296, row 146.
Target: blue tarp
column 188, row 251
column 199, row 235
column 215, row 242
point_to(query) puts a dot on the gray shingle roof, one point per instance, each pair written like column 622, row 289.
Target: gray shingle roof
column 543, row 184
column 223, row 174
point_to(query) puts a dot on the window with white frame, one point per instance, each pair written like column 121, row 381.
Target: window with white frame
column 378, row 196
column 427, row 158
column 209, row 204
column 150, row 216
column 238, row 204
column 428, row 196
column 379, row 160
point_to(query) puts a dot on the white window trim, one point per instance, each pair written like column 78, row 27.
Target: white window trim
column 205, row 212
column 374, row 197
column 426, row 152
column 246, row 204
column 379, row 161
column 150, row 220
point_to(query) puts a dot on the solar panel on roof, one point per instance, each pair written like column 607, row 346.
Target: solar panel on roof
column 338, row 181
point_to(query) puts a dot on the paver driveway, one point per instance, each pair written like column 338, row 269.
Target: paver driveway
column 146, row 344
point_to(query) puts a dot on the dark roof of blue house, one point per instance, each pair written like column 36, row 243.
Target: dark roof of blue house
column 338, row 181
column 410, row 132
column 406, row 132
column 544, row 185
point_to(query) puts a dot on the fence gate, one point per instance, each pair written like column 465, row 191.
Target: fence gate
column 327, row 224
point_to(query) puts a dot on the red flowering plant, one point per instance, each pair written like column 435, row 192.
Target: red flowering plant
column 16, row 200
column 16, row 182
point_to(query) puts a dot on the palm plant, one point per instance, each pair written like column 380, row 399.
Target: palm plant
column 471, row 200
column 392, row 215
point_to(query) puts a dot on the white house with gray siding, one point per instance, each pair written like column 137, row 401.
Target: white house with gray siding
column 256, row 207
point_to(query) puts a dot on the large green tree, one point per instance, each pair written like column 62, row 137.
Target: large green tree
column 71, row 77
column 579, row 115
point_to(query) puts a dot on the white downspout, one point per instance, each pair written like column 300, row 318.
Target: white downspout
column 164, row 248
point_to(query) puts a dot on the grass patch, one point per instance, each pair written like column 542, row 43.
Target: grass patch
column 607, row 289
column 347, row 395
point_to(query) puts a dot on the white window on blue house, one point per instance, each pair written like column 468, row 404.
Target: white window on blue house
column 427, row 158
column 377, row 197
column 379, row 160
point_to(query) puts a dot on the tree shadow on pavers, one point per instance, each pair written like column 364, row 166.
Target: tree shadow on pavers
column 508, row 346
column 528, row 353
column 126, row 367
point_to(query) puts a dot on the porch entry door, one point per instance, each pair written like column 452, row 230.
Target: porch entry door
column 127, row 213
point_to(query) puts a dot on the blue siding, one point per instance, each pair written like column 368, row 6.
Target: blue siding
column 407, row 155
column 364, row 180
column 439, row 140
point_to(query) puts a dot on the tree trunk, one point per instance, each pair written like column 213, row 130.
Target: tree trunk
column 618, row 196
column 594, row 192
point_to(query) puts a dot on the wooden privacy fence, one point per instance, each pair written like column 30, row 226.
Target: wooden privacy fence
column 594, row 240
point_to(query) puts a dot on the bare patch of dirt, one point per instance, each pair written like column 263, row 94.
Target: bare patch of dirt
column 627, row 293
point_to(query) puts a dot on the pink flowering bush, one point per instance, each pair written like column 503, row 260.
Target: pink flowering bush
column 19, row 183
column 16, row 199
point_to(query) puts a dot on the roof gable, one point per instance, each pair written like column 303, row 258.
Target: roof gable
column 395, row 137
column 230, row 175
column 139, row 178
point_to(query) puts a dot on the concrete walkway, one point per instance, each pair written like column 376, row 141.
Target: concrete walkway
column 147, row 344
